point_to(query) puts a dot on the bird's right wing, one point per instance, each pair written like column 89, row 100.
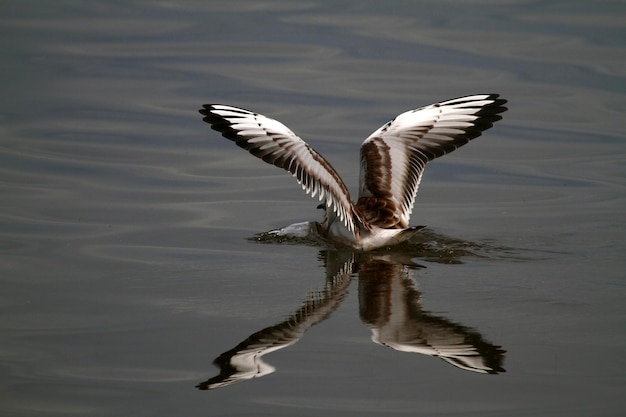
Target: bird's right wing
column 393, row 157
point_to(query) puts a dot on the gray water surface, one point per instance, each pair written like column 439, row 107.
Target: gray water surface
column 129, row 252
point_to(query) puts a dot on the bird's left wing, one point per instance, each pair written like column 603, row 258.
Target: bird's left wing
column 276, row 144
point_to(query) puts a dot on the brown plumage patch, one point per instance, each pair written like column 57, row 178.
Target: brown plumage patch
column 375, row 156
column 377, row 203
column 380, row 212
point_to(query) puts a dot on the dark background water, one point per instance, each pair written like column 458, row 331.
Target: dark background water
column 125, row 260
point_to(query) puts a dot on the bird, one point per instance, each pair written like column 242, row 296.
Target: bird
column 392, row 159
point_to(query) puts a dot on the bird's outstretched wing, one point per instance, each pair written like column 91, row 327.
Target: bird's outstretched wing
column 276, row 144
column 393, row 157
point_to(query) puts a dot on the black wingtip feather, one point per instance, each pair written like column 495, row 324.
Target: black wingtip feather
column 219, row 124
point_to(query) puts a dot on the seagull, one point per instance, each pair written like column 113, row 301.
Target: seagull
column 393, row 159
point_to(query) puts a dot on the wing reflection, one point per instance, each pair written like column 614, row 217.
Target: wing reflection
column 389, row 304
column 245, row 361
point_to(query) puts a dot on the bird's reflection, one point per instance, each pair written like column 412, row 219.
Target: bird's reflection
column 389, row 304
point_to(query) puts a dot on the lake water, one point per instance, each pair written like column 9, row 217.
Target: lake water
column 128, row 257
